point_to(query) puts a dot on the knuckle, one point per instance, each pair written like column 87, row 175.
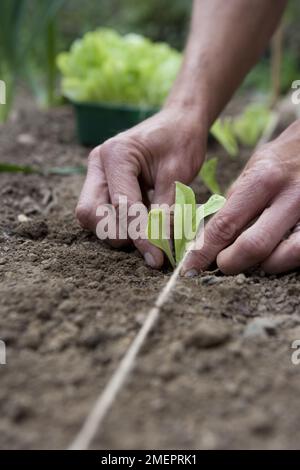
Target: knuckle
column 112, row 148
column 84, row 214
column 255, row 246
column 94, row 155
column 222, row 229
column 269, row 170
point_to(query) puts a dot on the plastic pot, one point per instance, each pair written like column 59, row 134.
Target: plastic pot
column 99, row 122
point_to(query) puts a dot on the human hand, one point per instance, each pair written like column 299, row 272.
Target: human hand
column 166, row 148
column 259, row 224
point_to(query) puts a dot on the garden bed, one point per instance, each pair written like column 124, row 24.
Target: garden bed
column 215, row 373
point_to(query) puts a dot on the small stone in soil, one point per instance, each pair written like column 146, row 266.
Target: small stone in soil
column 32, row 229
column 261, row 423
column 260, row 328
column 210, row 280
column 208, row 335
column 22, row 218
column 240, row 279
column 91, row 338
column 93, row 285
column 26, row 139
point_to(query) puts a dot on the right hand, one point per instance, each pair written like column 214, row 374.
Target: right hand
column 168, row 147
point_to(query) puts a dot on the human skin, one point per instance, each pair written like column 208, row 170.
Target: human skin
column 226, row 39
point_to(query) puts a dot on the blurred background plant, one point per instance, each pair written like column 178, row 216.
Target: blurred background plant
column 28, row 38
column 32, row 32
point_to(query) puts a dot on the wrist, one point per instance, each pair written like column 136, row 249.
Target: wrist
column 191, row 111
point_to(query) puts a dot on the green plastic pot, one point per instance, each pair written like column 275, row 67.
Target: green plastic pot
column 99, row 122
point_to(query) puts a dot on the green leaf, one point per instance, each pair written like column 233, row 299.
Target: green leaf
column 28, row 169
column 214, row 204
column 157, row 234
column 208, row 174
column 12, row 168
column 184, row 219
column 224, row 134
column 187, row 218
column 23, row 24
column 250, row 125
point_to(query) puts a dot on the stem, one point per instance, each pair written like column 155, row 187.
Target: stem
column 51, row 64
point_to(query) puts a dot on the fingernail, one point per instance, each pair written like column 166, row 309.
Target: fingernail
column 191, row 273
column 150, row 261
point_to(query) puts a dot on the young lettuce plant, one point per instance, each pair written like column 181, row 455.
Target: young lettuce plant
column 208, row 175
column 251, row 124
column 223, row 132
column 187, row 219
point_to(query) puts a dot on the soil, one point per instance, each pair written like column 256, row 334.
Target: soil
column 216, row 373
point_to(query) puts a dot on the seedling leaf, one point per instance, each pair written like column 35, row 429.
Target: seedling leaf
column 224, row 134
column 184, row 219
column 250, row 125
column 157, row 234
column 208, row 174
column 214, row 204
column 187, row 219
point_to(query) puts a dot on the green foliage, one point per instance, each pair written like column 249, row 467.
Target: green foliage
column 17, row 41
column 30, row 169
column 160, row 20
column 184, row 219
column 106, row 67
column 12, row 168
column 187, row 218
column 250, row 125
column 208, row 175
column 259, row 79
column 222, row 131
column 157, row 233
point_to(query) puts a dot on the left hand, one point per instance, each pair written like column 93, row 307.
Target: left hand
column 259, row 224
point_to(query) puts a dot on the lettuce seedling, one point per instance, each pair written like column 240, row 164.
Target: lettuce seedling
column 187, row 219
column 250, row 125
column 157, row 233
column 208, row 175
column 223, row 132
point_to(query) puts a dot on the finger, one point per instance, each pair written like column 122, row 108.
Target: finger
column 256, row 243
column 93, row 195
column 164, row 192
column 285, row 257
column 255, row 188
column 94, row 192
column 122, row 169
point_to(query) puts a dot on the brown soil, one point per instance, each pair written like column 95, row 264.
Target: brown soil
column 215, row 373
